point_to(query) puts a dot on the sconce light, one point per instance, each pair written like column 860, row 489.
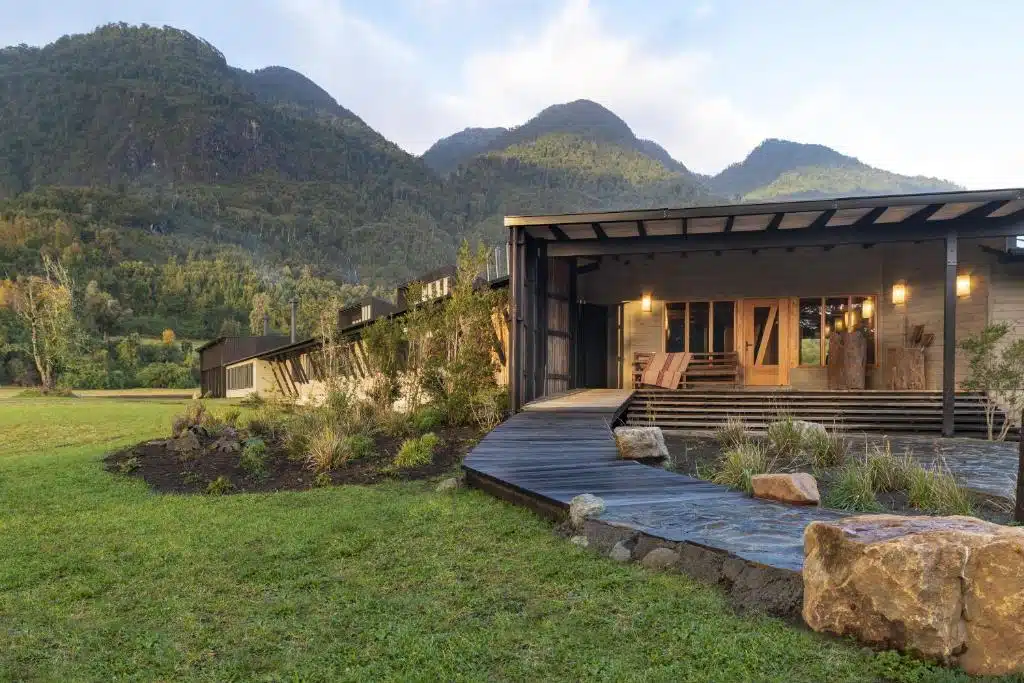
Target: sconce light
column 645, row 302
column 963, row 285
column 899, row 293
column 839, row 324
column 867, row 309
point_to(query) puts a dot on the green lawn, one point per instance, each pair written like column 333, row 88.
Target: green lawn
column 101, row 579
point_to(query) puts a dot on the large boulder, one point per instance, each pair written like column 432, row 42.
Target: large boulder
column 583, row 506
column 807, row 429
column 186, row 444
column 641, row 443
column 798, row 488
column 946, row 588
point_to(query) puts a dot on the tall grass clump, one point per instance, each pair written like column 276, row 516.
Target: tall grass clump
column 740, row 463
column 325, row 450
column 732, row 434
column 417, row 452
column 937, row 491
column 852, row 489
column 890, row 472
column 786, row 438
column 825, row 450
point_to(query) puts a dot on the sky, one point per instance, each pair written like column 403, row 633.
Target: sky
column 930, row 87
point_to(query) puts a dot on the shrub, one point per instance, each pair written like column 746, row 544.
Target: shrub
column 267, row 422
column 938, row 492
column 252, row 400
column 324, row 451
column 786, row 438
column 732, row 434
column 417, row 452
column 740, row 463
column 40, row 392
column 356, row 446
column 166, row 375
column 231, row 417
column 826, row 449
column 395, row 423
column 220, row 486
column 195, row 415
column 427, row 419
column 852, row 489
column 129, row 465
column 254, row 458
column 889, row 472
column 323, row 480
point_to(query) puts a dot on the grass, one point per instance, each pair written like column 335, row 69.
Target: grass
column 101, row 579
column 740, row 463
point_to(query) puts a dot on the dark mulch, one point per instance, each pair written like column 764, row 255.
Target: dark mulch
column 695, row 455
column 167, row 471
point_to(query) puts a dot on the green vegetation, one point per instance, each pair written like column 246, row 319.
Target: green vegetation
column 417, row 451
column 254, row 458
column 740, row 463
column 102, row 579
column 852, row 489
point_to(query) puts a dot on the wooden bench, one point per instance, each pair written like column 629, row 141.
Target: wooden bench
column 719, row 369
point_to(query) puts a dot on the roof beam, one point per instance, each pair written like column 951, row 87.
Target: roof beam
column 729, row 223
column 558, row 233
column 869, row 218
column 877, row 234
column 775, row 222
column 768, row 207
column 599, row 232
column 640, row 229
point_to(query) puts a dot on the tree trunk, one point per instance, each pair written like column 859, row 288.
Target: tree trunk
column 1018, row 512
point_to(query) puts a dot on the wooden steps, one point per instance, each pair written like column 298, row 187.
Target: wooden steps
column 868, row 411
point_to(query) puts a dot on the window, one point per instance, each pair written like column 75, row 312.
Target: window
column 699, row 326
column 240, row 377
column 821, row 316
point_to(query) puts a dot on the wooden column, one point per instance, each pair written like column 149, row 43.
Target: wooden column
column 517, row 337
column 949, row 337
column 540, row 314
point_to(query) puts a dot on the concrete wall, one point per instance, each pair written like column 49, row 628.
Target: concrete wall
column 813, row 272
column 262, row 380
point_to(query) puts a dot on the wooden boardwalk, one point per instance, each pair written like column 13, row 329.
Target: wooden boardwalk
column 562, row 447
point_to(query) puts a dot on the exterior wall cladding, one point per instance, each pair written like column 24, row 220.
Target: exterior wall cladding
column 997, row 292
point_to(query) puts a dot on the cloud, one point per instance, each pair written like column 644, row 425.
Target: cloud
column 665, row 96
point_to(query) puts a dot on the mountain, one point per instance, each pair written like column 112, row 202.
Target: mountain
column 445, row 155
column 780, row 169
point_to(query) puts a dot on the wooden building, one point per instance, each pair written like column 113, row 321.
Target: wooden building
column 216, row 355
column 761, row 295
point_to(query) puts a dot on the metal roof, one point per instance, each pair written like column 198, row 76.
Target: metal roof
column 937, row 209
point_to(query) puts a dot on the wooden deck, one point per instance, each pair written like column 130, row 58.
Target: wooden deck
column 562, row 447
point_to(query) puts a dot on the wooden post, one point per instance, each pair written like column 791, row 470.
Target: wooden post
column 1018, row 511
column 949, row 338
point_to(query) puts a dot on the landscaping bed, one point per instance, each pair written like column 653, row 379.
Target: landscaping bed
column 275, row 449
column 707, row 457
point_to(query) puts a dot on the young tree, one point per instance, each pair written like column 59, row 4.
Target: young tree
column 996, row 369
column 168, row 337
column 103, row 313
column 45, row 306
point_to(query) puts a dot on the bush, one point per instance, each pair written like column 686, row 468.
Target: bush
column 220, row 486
column 732, row 434
column 937, row 491
column 427, row 419
column 254, row 458
column 825, row 450
column 323, row 480
column 417, row 452
column 231, row 417
column 740, row 463
column 786, row 438
column 889, row 472
column 356, row 446
column 267, row 422
column 129, row 465
column 324, row 450
column 39, row 392
column 166, row 375
column 252, row 400
column 195, row 415
column 852, row 489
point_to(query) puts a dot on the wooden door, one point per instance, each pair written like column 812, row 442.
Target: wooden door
column 765, row 354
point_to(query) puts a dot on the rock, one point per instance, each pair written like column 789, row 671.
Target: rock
column 227, row 444
column 660, row 558
column 620, row 553
column 449, row 484
column 641, row 443
column 188, row 442
column 583, row 506
column 807, row 428
column 946, row 588
column 581, row 541
column 798, row 488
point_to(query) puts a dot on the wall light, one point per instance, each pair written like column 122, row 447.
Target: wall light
column 867, row 309
column 963, row 285
column 899, row 293
column 645, row 302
